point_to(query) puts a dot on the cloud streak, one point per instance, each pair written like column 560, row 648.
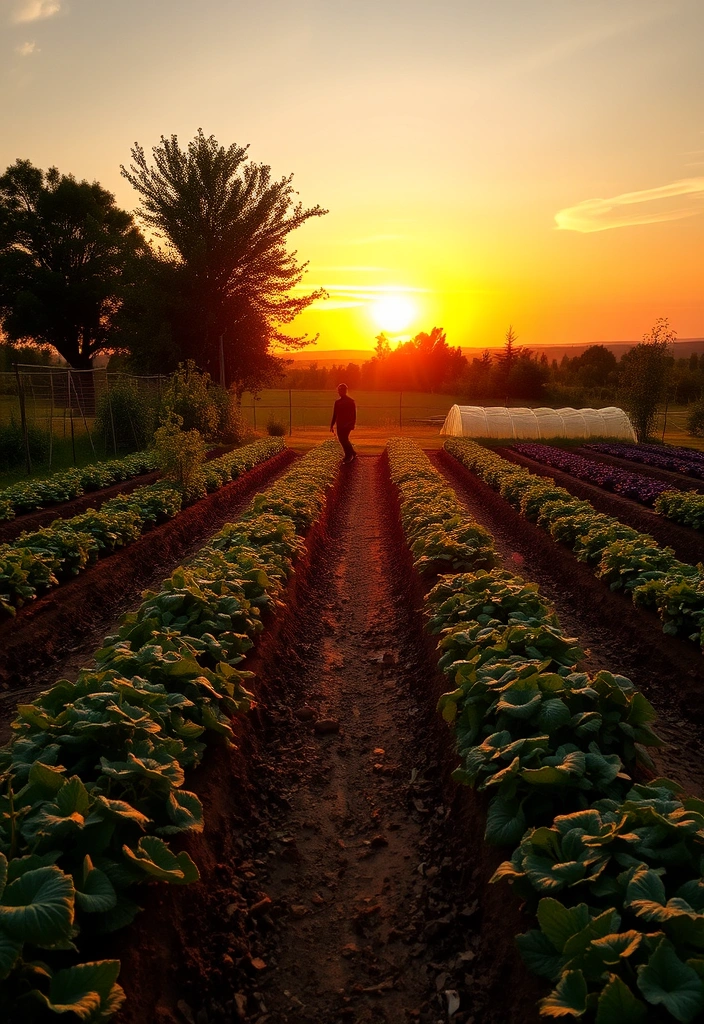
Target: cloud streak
column 26, row 49
column 675, row 201
column 35, row 10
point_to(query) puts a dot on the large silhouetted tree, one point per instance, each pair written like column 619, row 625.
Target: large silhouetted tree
column 225, row 223
column 67, row 254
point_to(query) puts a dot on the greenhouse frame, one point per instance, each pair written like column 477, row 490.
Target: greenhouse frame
column 539, row 424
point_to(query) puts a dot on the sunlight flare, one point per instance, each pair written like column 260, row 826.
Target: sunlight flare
column 394, row 312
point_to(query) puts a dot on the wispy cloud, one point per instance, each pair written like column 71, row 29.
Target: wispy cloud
column 349, row 296
column 35, row 10
column 27, row 49
column 680, row 199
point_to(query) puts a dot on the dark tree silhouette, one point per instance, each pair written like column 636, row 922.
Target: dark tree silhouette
column 67, row 254
column 225, row 223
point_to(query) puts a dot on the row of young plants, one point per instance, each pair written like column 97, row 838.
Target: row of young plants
column 636, row 486
column 622, row 557
column 93, row 779
column 36, row 561
column 611, row 867
column 71, row 483
column 676, row 460
column 684, row 507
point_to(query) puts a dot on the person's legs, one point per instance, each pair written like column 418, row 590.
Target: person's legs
column 343, row 437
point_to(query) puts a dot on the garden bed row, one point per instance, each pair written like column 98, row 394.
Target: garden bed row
column 619, row 555
column 27, row 496
column 35, row 562
column 612, row 869
column 95, row 771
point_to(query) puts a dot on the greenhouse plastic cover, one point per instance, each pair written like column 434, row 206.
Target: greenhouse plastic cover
column 540, row 424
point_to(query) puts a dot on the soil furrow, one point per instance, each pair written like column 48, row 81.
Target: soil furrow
column 344, row 874
column 617, row 636
column 58, row 633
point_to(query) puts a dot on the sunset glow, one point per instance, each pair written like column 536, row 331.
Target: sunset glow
column 540, row 164
column 394, row 313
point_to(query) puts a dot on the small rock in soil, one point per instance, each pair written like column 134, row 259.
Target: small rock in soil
column 305, row 714
column 325, row 726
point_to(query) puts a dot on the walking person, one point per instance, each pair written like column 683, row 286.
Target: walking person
column 344, row 414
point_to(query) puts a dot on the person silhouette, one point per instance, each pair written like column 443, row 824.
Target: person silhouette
column 344, row 414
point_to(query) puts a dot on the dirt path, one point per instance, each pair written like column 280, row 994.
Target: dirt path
column 344, row 876
column 617, row 636
column 353, row 834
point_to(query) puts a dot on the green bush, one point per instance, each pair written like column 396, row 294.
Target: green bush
column 12, row 449
column 131, row 413
column 191, row 396
column 695, row 419
column 275, row 428
column 180, row 455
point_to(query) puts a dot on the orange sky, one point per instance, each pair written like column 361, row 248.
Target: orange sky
column 534, row 162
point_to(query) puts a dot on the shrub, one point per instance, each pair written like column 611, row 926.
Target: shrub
column 275, row 428
column 190, row 396
column 695, row 419
column 180, row 455
column 232, row 427
column 12, row 450
column 130, row 412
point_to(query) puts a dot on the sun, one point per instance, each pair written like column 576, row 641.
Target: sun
column 394, row 313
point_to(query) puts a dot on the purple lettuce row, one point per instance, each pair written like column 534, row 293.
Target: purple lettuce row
column 691, row 464
column 636, row 486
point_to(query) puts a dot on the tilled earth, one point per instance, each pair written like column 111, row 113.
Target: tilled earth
column 351, row 882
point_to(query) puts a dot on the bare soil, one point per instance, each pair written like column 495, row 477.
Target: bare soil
column 618, row 636
column 57, row 633
column 688, row 544
column 344, row 876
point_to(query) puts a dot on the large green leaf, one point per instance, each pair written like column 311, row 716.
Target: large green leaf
column 88, row 990
column 38, row 907
column 568, row 999
column 559, row 922
column 505, row 822
column 10, row 950
column 155, row 858
column 94, row 890
column 185, row 811
column 618, row 1005
column 539, row 954
column 666, row 981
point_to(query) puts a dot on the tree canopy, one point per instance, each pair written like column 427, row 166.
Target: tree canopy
column 68, row 255
column 225, row 223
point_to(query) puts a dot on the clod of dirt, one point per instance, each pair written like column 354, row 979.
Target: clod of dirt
column 305, row 714
column 326, row 726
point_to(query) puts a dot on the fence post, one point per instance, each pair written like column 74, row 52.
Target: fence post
column 290, row 414
column 70, row 410
column 51, row 417
column 23, row 417
column 112, row 421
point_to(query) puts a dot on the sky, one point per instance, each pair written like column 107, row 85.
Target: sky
column 538, row 163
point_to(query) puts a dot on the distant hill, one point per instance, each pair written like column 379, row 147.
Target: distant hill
column 682, row 349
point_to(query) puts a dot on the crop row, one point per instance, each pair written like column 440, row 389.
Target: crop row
column 71, row 483
column 93, row 778
column 612, row 869
column 617, row 554
column 676, row 460
column 635, row 486
column 36, row 561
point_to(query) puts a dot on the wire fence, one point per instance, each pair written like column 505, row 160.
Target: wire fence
column 64, row 403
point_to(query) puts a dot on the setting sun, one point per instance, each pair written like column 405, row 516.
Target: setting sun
column 394, row 313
